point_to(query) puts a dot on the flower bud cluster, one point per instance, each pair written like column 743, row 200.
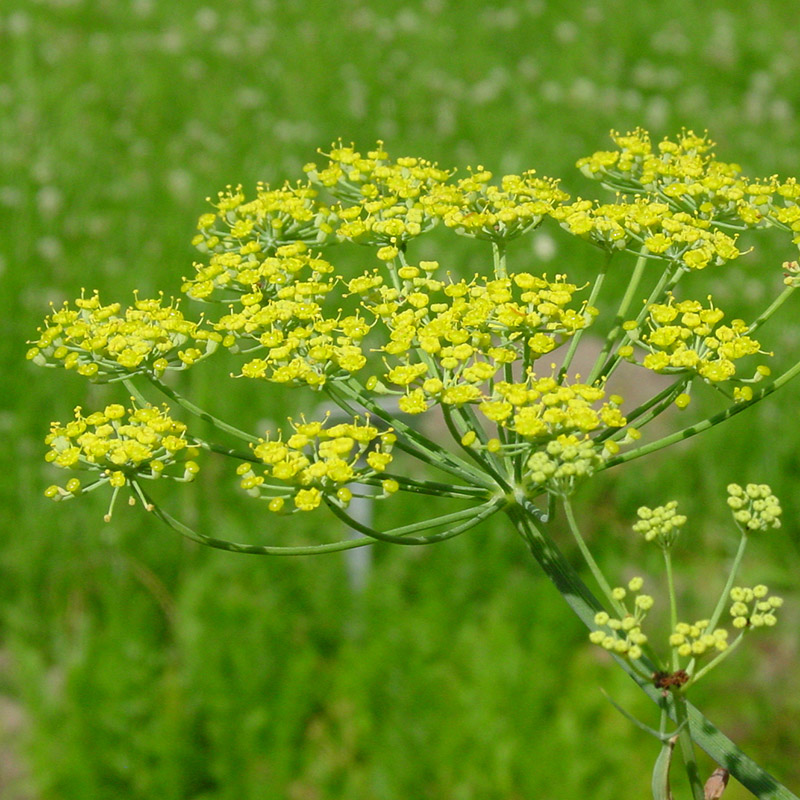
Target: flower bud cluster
column 754, row 607
column 693, row 640
column 99, row 342
column 661, row 524
column 562, row 463
column 121, row 445
column 754, row 506
column 317, row 462
column 624, row 635
column 686, row 336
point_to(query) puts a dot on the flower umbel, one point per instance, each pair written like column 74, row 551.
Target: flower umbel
column 317, row 463
column 121, row 446
column 101, row 343
column 661, row 524
column 754, row 507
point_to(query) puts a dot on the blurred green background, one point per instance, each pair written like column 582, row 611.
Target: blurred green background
column 135, row 666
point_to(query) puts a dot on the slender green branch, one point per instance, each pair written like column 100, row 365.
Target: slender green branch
column 483, row 463
column 705, row 424
column 725, row 596
column 668, row 280
column 428, row 487
column 412, row 441
column 673, row 601
column 231, row 452
column 472, row 516
column 773, row 307
column 619, row 318
column 134, row 392
column 251, row 549
column 575, row 341
column 499, row 258
column 589, row 558
column 408, row 441
column 721, row 656
column 665, row 398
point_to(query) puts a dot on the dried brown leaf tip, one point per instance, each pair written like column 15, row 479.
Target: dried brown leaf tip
column 716, row 784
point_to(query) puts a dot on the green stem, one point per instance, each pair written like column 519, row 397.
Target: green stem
column 499, row 258
column 231, row 452
column 473, row 517
column 774, row 306
column 661, row 401
column 724, row 598
column 412, row 441
column 135, row 393
column 673, row 603
column 589, row 559
column 668, row 280
column 483, row 463
column 200, row 413
column 622, row 312
column 705, row 424
column 716, row 660
column 687, row 747
column 251, row 549
column 573, row 345
column 428, row 487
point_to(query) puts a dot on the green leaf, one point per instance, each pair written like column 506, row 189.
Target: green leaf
column 660, row 782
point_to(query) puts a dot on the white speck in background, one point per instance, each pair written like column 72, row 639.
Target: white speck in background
column 544, row 246
column 49, row 201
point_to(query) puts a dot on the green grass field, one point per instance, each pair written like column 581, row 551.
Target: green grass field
column 135, row 666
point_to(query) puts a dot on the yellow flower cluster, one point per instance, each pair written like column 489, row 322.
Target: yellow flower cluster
column 541, row 408
column 696, row 639
column 274, row 218
column 253, row 277
column 388, row 202
column 475, row 207
column 661, row 524
column 317, row 462
column 99, row 342
column 446, row 339
column 686, row 175
column 120, row 444
column 548, row 426
column 686, row 336
column 651, row 228
column 624, row 636
column 303, row 346
column 754, row 506
column 754, row 607
column 383, row 200
column 428, row 338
